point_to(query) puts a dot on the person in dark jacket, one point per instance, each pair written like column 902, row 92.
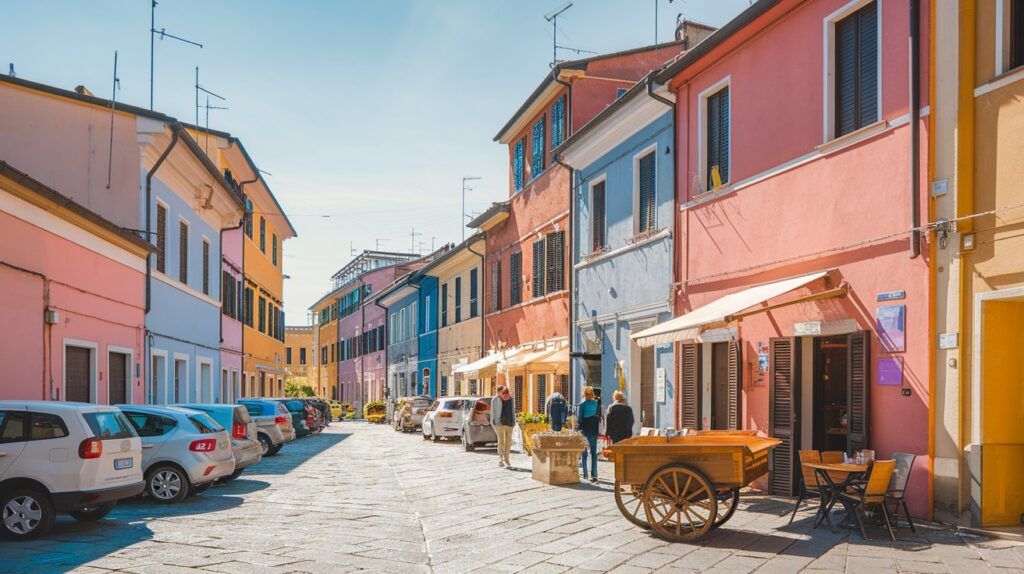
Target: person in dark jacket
column 619, row 423
column 557, row 409
column 589, row 411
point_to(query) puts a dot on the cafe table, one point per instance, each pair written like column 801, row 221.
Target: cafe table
column 830, row 489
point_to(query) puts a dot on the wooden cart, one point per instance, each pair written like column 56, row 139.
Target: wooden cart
column 682, row 487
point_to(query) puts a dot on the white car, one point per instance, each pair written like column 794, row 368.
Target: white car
column 55, row 457
column 444, row 418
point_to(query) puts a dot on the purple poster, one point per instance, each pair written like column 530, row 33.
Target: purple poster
column 890, row 371
column 891, row 326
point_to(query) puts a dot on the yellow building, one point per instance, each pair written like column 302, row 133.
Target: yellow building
column 324, row 374
column 978, row 260
column 298, row 356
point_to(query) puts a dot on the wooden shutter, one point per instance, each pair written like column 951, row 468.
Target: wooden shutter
column 735, row 384
column 1017, row 33
column 78, row 374
column 555, row 261
column 538, row 148
column 597, row 221
column 783, row 406
column 648, row 215
column 558, row 122
column 689, row 386
column 474, row 291
column 718, row 135
column 206, row 267
column 496, row 285
column 161, row 238
column 858, row 390
column 517, row 164
column 183, row 252
column 538, row 268
column 856, row 70
column 117, row 375
column 867, row 65
column 515, row 278
column 518, row 391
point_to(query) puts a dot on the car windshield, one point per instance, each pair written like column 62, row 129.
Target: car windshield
column 204, row 424
column 420, row 403
column 109, row 424
column 454, row 405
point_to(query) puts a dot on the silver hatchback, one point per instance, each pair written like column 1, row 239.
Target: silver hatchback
column 183, row 451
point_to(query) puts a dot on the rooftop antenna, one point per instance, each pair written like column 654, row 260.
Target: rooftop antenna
column 352, row 249
column 380, row 240
column 466, row 188
column 10, row 70
column 553, row 18
column 152, row 45
column 412, row 239
column 433, row 240
column 200, row 88
column 113, row 106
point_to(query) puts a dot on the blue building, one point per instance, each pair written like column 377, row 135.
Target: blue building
column 186, row 203
column 623, row 219
column 411, row 333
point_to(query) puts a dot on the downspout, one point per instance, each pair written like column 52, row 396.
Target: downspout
column 246, row 216
column 386, row 335
column 915, row 129
column 572, row 273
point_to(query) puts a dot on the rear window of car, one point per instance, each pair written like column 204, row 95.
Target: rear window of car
column 254, row 409
column 151, row 425
column 43, row 426
column 454, row 405
column 241, row 416
column 204, row 424
column 107, row 425
column 296, row 406
column 282, row 409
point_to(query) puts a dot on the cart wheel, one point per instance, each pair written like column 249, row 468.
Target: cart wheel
column 727, row 503
column 679, row 503
column 629, row 499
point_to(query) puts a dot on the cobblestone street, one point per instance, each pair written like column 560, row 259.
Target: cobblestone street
column 360, row 497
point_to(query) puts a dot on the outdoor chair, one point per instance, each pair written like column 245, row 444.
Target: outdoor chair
column 898, row 486
column 808, row 480
column 871, row 495
column 834, row 457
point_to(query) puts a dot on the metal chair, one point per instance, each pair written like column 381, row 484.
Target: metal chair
column 898, row 486
column 873, row 494
column 808, row 481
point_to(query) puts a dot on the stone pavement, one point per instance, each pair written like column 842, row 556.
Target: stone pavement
column 362, row 497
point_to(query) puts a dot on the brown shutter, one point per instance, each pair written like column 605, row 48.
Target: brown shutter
column 689, row 383
column 859, row 389
column 183, row 252
column 783, row 404
column 161, row 237
column 78, row 374
column 735, row 384
column 538, row 268
column 117, row 383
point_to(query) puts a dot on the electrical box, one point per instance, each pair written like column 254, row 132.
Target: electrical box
column 51, row 316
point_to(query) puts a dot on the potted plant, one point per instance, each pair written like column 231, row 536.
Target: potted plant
column 375, row 412
column 530, row 424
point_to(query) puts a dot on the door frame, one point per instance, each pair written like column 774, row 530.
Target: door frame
column 162, row 354
column 93, row 367
column 129, row 376
column 184, row 357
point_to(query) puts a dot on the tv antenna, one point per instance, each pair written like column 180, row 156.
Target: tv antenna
column 152, row 45
column 352, row 249
column 555, row 47
column 380, row 242
column 466, row 188
column 412, row 239
column 200, row 88
column 113, row 105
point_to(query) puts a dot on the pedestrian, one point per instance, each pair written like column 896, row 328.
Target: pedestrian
column 503, row 418
column 619, row 421
column 589, row 413
column 557, row 409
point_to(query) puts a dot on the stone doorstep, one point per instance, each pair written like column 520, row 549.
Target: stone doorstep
column 1013, row 533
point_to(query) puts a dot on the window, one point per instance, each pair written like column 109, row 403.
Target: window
column 263, row 235
column 334, row 352
column 444, row 305
column 206, row 267
column 1016, row 29
column 518, row 154
column 562, row 386
column 161, row 237
column 647, row 217
column 515, row 278
column 273, row 246
column 444, row 386
column 183, row 252
column 537, row 150
column 323, row 355
column 44, row 426
column 263, row 315
column 204, row 424
column 288, row 355
column 517, row 393
column 412, row 320
column 555, row 263
column 151, row 425
column 108, row 424
column 619, row 92
column 473, row 280
column 248, row 217
column 542, row 393
column 426, row 314
column 856, row 70
column 248, row 306
column 495, row 285
column 558, row 122
column 538, row 268
column 597, row 220
column 458, row 299
column 302, row 355
column 472, row 388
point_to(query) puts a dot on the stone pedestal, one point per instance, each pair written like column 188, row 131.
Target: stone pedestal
column 556, row 457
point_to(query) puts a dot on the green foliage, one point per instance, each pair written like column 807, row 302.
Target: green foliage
column 295, row 390
column 530, row 418
column 374, row 407
column 350, row 416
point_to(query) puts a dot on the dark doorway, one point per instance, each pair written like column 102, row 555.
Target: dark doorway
column 720, row 386
column 78, row 374
column 117, row 385
column 831, row 388
column 179, row 379
column 647, row 386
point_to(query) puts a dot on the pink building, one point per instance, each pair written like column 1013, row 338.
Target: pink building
column 802, row 297
column 362, row 364
column 74, row 298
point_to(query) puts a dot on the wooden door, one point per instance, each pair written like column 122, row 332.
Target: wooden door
column 78, row 374
column 858, row 390
column 689, row 386
column 735, row 375
column 647, row 386
column 117, row 375
column 783, row 406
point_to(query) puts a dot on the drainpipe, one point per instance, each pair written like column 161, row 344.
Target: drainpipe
column 386, row 335
column 572, row 273
column 246, row 216
column 675, row 172
column 915, row 129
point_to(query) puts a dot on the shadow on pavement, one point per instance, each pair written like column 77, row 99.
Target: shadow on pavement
column 296, row 453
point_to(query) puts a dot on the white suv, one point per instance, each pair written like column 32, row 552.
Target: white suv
column 63, row 457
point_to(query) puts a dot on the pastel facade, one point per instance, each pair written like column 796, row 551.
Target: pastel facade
column 411, row 332
column 299, row 352
column 74, row 292
column 624, row 192
column 801, row 180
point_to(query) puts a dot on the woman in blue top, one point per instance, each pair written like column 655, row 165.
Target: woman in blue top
column 589, row 414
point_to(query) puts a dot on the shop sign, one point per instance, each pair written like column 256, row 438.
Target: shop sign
column 890, row 371
column 659, row 385
column 807, row 328
column 949, row 340
column 891, row 326
column 891, row 296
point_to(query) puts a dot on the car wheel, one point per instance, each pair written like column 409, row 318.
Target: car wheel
column 167, row 484
column 200, row 488
column 95, row 512
column 275, row 449
column 230, row 477
column 266, row 444
column 25, row 514
column 468, row 446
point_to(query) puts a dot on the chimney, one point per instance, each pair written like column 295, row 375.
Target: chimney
column 82, row 90
column 691, row 32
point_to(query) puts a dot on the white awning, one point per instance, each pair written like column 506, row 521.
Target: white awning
column 688, row 327
column 483, row 363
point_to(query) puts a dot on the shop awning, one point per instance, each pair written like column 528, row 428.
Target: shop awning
column 688, row 327
column 483, row 367
column 529, row 358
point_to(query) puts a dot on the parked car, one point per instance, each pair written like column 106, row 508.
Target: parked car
column 444, row 418
column 274, row 425
column 303, row 418
column 244, row 444
column 318, row 410
column 337, row 411
column 183, row 451
column 410, row 416
column 476, row 425
column 55, row 457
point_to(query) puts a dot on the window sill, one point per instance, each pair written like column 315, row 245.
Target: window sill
column 528, row 302
column 852, row 137
column 632, row 244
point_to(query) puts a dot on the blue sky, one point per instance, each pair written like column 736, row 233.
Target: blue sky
column 369, row 112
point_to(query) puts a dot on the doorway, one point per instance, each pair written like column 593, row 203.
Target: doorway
column 647, row 387
column 180, row 368
column 831, row 387
column 719, row 386
column 117, row 373
column 78, row 374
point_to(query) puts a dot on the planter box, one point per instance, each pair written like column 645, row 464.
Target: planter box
column 556, row 457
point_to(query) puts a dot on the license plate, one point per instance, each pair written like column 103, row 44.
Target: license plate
column 123, row 463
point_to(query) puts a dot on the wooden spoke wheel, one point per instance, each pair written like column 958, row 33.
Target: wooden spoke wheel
column 629, row 499
column 728, row 500
column 680, row 503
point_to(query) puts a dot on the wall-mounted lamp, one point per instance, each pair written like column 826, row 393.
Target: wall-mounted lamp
column 967, row 242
